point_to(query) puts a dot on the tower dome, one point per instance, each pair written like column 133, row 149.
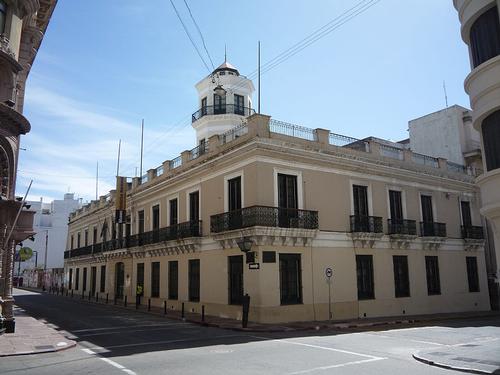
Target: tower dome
column 224, row 100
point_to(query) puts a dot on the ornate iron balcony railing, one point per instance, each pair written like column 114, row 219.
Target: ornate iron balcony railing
column 173, row 232
column 472, row 232
column 432, row 229
column 367, row 224
column 402, row 226
column 222, row 110
column 264, row 216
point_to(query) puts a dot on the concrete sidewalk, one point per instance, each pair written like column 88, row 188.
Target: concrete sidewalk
column 477, row 358
column 31, row 337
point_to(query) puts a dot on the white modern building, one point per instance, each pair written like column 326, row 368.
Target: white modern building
column 51, row 227
column 447, row 134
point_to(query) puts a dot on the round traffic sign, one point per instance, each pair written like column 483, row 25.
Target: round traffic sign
column 328, row 272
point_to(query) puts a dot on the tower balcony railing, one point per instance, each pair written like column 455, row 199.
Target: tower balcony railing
column 264, row 216
column 471, row 232
column 174, row 232
column 432, row 229
column 366, row 224
column 222, row 109
column 402, row 226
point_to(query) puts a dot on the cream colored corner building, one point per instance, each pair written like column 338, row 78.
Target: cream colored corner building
column 303, row 200
column 480, row 20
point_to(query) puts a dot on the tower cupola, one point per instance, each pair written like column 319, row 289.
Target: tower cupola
column 224, row 101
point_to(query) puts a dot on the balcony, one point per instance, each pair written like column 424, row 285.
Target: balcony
column 402, row 227
column 265, row 217
column 222, row 110
column 432, row 229
column 174, row 232
column 471, row 232
column 366, row 224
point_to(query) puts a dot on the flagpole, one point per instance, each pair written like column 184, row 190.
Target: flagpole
column 118, row 161
column 142, row 147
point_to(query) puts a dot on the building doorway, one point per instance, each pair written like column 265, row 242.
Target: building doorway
column 119, row 279
column 236, row 280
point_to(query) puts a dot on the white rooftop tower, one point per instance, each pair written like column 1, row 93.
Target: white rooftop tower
column 224, row 99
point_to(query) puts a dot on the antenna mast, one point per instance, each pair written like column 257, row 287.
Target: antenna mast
column 142, row 148
column 258, row 72
column 445, row 94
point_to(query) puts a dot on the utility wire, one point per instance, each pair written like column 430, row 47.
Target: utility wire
column 189, row 35
column 201, row 34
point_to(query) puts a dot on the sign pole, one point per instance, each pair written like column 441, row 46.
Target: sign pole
column 329, row 274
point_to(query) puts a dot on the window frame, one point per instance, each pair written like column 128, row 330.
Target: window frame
column 472, row 274
column 401, row 279
column 155, row 279
column 287, row 298
column 194, row 280
column 102, row 281
column 432, row 275
column 364, row 267
column 173, row 282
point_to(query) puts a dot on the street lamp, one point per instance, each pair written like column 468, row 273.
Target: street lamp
column 245, row 244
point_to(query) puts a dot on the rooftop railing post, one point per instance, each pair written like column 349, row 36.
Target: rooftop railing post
column 185, row 155
column 442, row 163
column 323, row 136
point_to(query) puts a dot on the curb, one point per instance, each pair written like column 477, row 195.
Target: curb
column 450, row 367
column 71, row 344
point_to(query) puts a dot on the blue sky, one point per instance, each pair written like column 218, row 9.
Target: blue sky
column 105, row 65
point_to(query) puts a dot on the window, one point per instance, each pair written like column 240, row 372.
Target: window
column 401, row 278
column 103, row 279
column 466, row 216
column 287, row 199
column 71, row 242
column 204, row 106
column 104, row 231
column 84, row 279
column 239, row 106
column 173, row 279
column 472, row 275
column 290, row 279
column 140, row 221
column 234, row 193
column 78, row 240
column 70, row 281
column 235, row 279
column 173, row 212
column 194, row 206
column 156, row 217
column 77, row 279
column 361, row 222
column 432, row 273
column 3, row 16
column 491, row 140
column 364, row 272
column 194, row 280
column 139, row 285
column 93, row 280
column 396, row 205
column 485, row 37
column 268, row 257
column 219, row 104
column 427, row 214
column 155, row 279
column 360, row 200
column 95, row 235
column 287, row 191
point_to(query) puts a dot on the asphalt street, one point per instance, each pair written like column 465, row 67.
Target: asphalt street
column 117, row 341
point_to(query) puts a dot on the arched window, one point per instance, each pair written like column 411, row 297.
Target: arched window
column 4, row 173
column 485, row 37
column 491, row 140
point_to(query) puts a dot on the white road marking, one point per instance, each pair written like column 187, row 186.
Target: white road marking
column 132, row 330
column 405, row 338
column 128, row 327
column 165, row 342
column 335, row 366
column 110, row 362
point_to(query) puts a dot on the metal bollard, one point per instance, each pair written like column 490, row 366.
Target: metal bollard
column 71, row 293
column 83, row 294
column 114, row 299
column 107, row 295
column 90, row 295
column 97, row 297
column 149, row 304
column 203, row 313
column 182, row 311
column 125, row 301
column 67, row 291
column 165, row 307
column 246, row 308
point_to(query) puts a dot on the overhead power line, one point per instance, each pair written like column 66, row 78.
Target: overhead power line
column 201, row 34
column 189, row 35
